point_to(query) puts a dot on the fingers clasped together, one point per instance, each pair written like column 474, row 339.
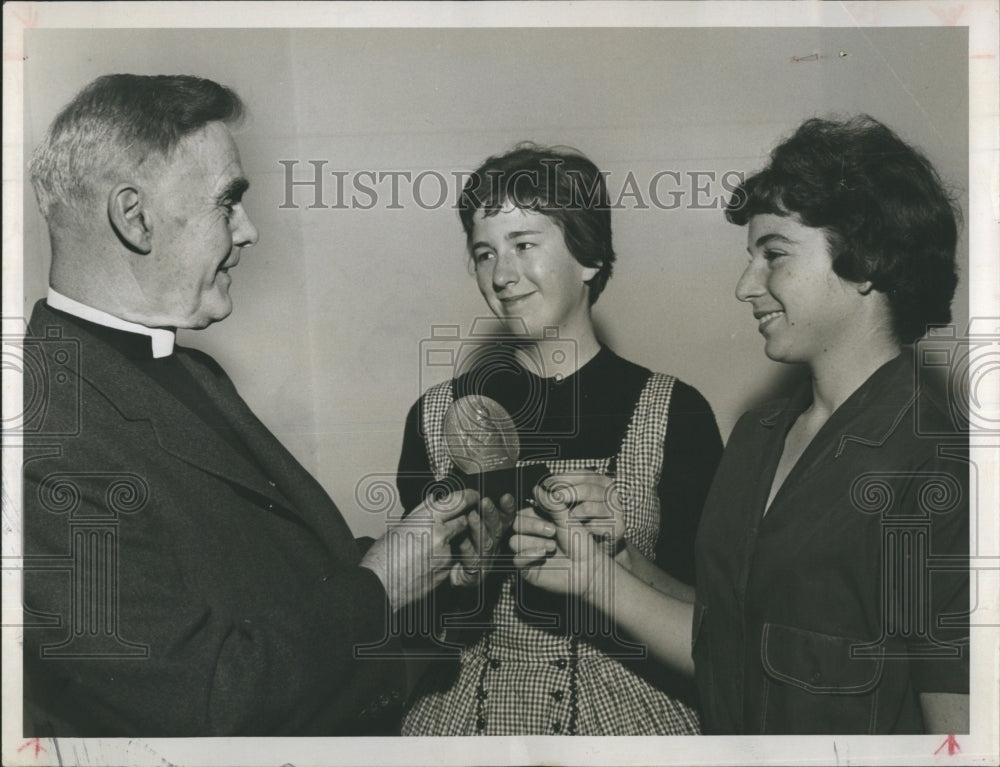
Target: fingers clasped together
column 564, row 543
column 560, row 544
column 415, row 554
column 485, row 534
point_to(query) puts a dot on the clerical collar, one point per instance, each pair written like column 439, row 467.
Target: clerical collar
column 161, row 338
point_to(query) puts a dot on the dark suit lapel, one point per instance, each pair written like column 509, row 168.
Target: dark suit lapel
column 188, row 438
column 308, row 497
column 138, row 398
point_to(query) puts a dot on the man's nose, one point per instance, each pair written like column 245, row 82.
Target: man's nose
column 245, row 234
column 751, row 282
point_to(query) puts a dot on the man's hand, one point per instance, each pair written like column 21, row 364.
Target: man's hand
column 415, row 554
column 483, row 538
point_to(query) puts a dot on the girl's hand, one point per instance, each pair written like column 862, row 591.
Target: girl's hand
column 591, row 499
column 560, row 555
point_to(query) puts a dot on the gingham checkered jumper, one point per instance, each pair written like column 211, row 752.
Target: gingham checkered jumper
column 519, row 679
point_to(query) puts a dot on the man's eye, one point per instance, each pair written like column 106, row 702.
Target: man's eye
column 481, row 256
column 770, row 255
column 524, row 245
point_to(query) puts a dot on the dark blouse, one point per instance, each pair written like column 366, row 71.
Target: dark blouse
column 832, row 612
column 606, row 389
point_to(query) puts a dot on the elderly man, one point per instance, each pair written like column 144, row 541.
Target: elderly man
column 184, row 575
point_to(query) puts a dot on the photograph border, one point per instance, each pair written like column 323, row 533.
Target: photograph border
column 981, row 746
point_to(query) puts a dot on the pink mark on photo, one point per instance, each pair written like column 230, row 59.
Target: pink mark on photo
column 28, row 16
column 952, row 743
column 948, row 15
column 36, row 742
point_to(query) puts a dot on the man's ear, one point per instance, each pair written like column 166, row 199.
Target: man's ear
column 129, row 220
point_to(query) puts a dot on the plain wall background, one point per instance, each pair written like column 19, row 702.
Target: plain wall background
column 332, row 304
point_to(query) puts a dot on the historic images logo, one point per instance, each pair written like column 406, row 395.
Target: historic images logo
column 309, row 184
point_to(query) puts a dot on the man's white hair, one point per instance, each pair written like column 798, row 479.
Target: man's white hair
column 111, row 128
